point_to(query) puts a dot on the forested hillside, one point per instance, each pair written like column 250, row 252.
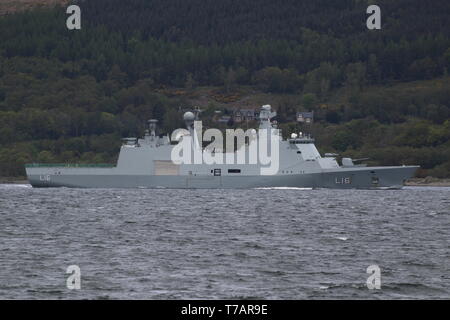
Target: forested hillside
column 69, row 96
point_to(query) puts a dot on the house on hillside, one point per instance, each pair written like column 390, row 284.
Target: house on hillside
column 245, row 115
column 305, row 117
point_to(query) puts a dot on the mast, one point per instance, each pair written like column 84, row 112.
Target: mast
column 265, row 117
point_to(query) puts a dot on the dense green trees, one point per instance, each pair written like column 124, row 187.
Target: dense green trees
column 70, row 95
column 169, row 41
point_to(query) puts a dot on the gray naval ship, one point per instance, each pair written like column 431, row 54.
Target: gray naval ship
column 148, row 163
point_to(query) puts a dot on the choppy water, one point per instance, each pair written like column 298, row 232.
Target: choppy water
column 224, row 244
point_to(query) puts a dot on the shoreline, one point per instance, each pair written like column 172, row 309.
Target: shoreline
column 414, row 182
column 13, row 180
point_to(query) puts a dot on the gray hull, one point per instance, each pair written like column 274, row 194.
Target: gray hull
column 354, row 178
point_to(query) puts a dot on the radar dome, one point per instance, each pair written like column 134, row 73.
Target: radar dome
column 266, row 107
column 294, row 136
column 189, row 116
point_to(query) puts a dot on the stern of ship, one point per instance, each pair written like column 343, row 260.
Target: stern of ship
column 368, row 177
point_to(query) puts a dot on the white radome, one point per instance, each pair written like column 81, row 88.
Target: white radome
column 189, row 116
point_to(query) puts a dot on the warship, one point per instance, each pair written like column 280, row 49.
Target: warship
column 147, row 162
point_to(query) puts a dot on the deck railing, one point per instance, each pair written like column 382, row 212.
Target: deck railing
column 69, row 165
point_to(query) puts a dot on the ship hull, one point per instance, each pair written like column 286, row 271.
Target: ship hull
column 342, row 178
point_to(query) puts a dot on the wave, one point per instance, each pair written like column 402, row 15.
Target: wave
column 282, row 188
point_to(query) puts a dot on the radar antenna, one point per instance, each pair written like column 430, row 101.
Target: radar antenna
column 152, row 123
